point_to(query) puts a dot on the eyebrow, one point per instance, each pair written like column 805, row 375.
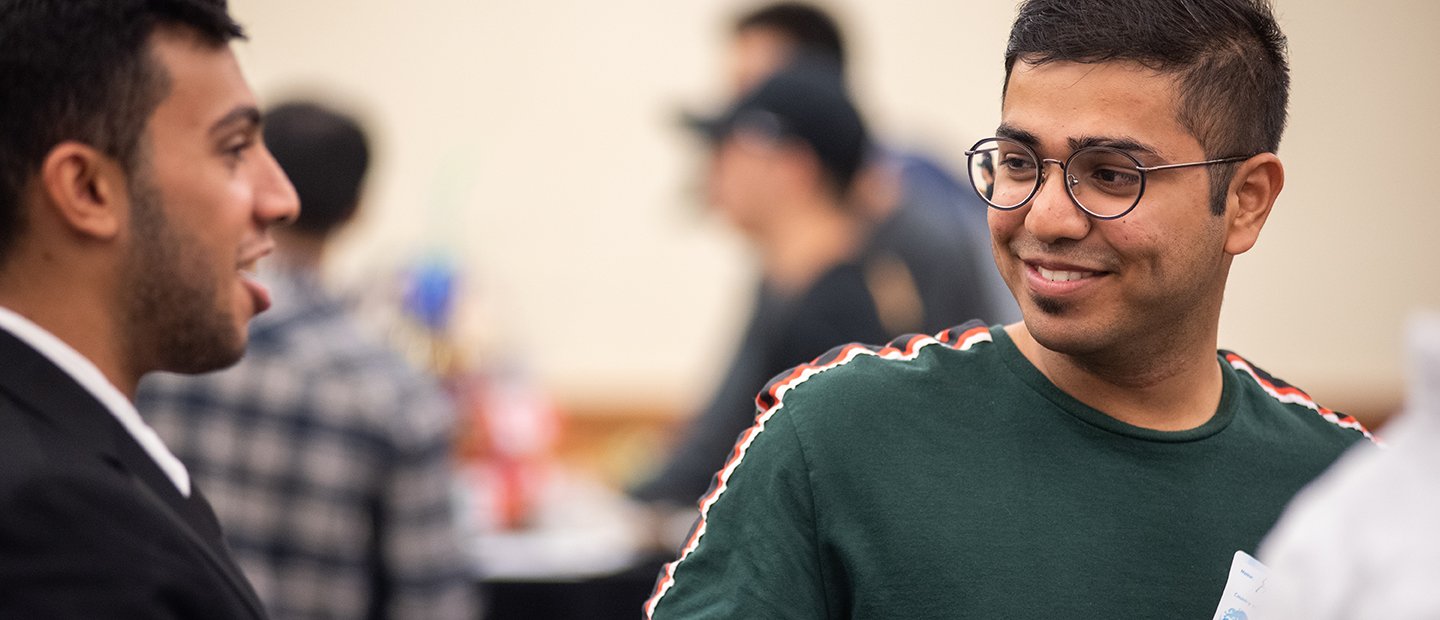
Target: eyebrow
column 243, row 115
column 1129, row 145
column 1017, row 134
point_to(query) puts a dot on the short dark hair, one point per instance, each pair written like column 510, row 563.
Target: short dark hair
column 1229, row 57
column 325, row 154
column 82, row 70
column 812, row 30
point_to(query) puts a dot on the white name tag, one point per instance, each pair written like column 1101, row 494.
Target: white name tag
column 1244, row 591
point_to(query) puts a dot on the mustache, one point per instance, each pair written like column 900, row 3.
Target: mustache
column 1068, row 251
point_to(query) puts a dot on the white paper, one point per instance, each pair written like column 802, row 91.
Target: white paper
column 1244, row 591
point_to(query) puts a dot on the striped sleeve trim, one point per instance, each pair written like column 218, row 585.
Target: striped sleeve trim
column 771, row 400
column 1286, row 393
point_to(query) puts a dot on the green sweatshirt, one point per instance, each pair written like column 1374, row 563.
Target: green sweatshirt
column 950, row 479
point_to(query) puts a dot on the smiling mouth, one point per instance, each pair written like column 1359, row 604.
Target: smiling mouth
column 1064, row 276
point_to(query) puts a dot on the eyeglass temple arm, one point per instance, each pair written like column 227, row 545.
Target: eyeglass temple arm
column 1207, row 162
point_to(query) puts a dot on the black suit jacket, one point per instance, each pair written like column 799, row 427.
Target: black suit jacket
column 90, row 527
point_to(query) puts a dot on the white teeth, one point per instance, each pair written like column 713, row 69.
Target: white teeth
column 1063, row 276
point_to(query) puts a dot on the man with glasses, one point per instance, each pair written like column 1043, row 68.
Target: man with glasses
column 1099, row 458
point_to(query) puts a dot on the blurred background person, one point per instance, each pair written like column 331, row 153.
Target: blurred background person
column 915, row 255
column 784, row 159
column 1362, row 542
column 328, row 455
column 928, row 259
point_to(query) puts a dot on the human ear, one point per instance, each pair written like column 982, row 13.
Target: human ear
column 86, row 189
column 1248, row 200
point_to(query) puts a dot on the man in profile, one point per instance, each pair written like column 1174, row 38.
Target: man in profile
column 327, row 456
column 136, row 196
column 1099, row 458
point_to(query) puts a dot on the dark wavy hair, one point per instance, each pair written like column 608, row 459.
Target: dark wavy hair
column 1229, row 57
column 82, row 70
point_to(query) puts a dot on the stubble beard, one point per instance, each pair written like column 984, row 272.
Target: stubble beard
column 173, row 316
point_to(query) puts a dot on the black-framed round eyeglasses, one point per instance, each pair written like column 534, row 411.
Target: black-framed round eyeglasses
column 1104, row 182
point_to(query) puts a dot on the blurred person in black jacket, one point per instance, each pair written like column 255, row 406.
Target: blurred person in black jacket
column 784, row 161
column 928, row 258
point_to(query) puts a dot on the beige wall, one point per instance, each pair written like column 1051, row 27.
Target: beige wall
column 535, row 142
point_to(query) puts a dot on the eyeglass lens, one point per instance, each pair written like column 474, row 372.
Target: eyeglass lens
column 1103, row 181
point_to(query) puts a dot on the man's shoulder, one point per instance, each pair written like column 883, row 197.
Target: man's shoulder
column 39, row 461
column 69, row 519
column 856, row 377
column 24, row 448
column 1276, row 402
column 33, row 440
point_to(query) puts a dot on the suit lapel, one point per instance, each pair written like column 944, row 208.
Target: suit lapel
column 217, row 555
column 32, row 380
column 138, row 462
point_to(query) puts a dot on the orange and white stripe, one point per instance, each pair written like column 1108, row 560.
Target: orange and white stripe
column 1286, row 393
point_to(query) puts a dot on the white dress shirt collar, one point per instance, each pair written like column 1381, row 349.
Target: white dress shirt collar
column 84, row 372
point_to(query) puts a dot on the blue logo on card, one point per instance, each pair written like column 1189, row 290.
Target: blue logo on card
column 1235, row 614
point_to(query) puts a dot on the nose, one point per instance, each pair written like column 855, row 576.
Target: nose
column 276, row 202
column 1053, row 215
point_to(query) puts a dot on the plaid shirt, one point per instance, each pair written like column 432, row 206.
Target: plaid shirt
column 327, row 459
